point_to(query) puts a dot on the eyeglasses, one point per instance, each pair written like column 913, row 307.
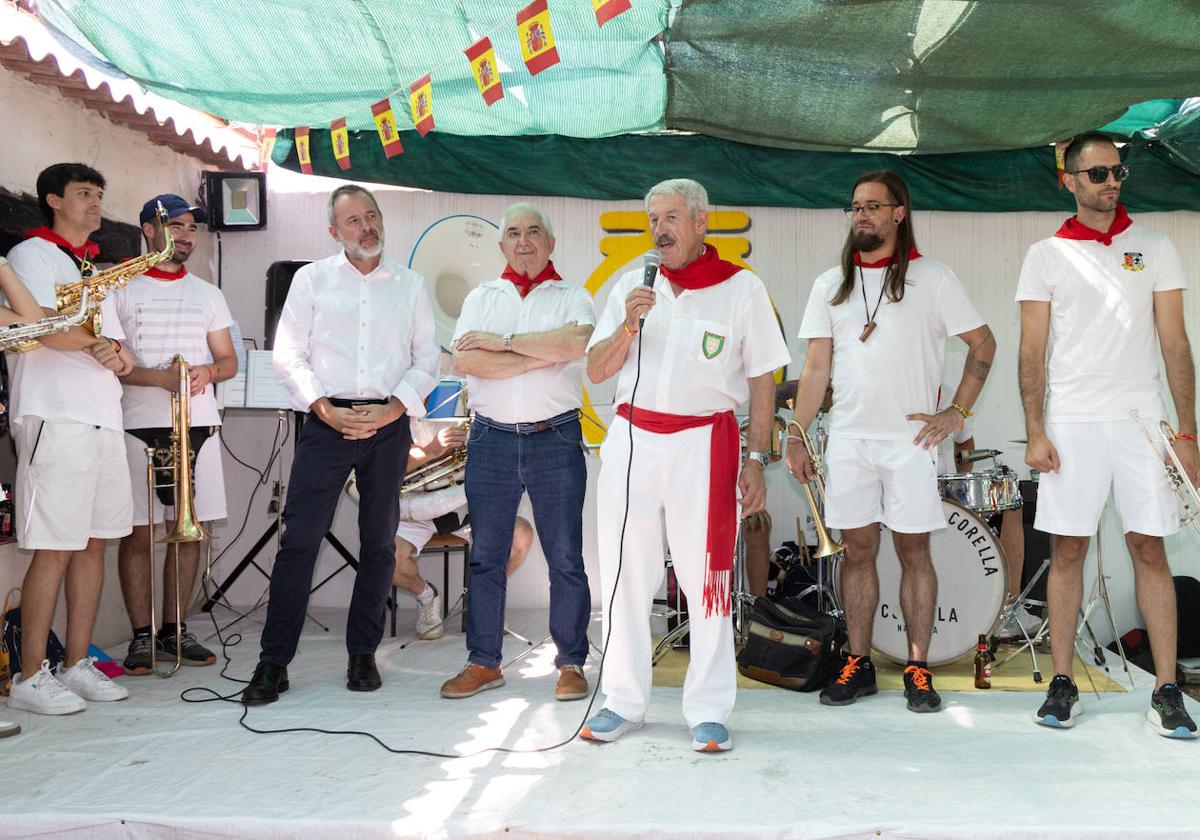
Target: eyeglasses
column 870, row 208
column 1099, row 174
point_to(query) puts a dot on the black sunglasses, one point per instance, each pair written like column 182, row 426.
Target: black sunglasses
column 1099, row 174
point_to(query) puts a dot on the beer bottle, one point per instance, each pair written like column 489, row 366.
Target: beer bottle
column 983, row 664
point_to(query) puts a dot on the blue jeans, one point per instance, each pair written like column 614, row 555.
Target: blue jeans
column 501, row 466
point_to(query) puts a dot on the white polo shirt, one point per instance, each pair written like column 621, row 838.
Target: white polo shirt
column 698, row 349
column 535, row 395
column 897, row 371
column 1103, row 345
column 345, row 334
column 61, row 384
column 161, row 319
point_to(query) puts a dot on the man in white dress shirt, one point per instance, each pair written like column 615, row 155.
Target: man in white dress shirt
column 697, row 344
column 355, row 349
column 520, row 341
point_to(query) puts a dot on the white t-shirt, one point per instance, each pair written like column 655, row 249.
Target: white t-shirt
column 698, row 349
column 161, row 319
column 1103, row 347
column 895, row 372
column 61, row 384
column 540, row 394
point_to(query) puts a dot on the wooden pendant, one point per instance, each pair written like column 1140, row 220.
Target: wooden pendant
column 867, row 330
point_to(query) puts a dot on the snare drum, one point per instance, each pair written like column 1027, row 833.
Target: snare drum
column 969, row 564
column 988, row 492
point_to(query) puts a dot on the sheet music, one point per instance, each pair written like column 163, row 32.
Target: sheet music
column 263, row 388
column 232, row 392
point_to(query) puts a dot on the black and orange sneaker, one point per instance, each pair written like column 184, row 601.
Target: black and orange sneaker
column 857, row 679
column 918, row 688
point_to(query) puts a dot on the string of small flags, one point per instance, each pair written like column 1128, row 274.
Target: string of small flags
column 538, row 50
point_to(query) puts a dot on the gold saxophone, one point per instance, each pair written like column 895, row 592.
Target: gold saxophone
column 70, row 297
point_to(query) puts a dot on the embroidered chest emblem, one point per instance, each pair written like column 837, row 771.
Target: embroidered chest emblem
column 1133, row 261
column 712, row 345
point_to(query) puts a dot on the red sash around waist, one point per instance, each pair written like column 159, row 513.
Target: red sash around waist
column 724, row 450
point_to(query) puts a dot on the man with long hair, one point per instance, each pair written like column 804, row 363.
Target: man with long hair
column 1094, row 298
column 878, row 324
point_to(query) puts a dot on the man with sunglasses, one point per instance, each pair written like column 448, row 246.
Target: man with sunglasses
column 877, row 324
column 1093, row 299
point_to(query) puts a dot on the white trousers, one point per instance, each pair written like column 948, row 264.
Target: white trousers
column 668, row 483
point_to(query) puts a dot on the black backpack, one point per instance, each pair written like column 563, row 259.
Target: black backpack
column 791, row 645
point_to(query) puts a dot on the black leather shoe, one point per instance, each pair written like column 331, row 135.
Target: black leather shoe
column 361, row 674
column 269, row 681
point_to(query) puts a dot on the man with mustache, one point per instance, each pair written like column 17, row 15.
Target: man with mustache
column 166, row 312
column 686, row 352
column 520, row 341
column 1094, row 297
column 877, row 325
column 355, row 348
column 72, row 483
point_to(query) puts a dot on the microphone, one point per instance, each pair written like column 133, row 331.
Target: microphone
column 652, row 261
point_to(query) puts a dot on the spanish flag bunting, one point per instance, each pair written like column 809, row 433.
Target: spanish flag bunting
column 537, row 39
column 302, row 150
column 420, row 99
column 1060, row 161
column 606, row 10
column 483, row 67
column 339, row 138
column 385, row 124
column 266, row 145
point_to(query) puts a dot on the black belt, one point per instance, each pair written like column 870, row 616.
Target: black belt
column 351, row 402
column 530, row 428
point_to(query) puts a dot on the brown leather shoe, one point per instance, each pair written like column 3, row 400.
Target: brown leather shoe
column 572, row 684
column 471, row 680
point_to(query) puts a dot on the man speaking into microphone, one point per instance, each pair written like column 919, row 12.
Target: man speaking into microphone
column 687, row 349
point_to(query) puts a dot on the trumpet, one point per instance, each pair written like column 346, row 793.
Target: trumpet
column 827, row 546
column 185, row 528
column 1184, row 490
column 84, row 295
column 19, row 335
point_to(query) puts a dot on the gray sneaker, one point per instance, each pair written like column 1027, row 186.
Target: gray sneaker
column 191, row 651
column 137, row 658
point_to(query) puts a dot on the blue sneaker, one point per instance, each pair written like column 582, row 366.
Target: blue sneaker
column 711, row 737
column 607, row 725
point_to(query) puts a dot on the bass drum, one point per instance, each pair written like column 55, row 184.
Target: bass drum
column 971, row 584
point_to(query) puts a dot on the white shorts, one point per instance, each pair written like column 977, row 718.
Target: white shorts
column 417, row 533
column 1097, row 457
column 208, row 478
column 72, row 485
column 888, row 481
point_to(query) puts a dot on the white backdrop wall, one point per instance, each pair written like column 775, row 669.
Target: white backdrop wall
column 788, row 248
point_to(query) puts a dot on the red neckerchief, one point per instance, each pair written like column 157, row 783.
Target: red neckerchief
column 913, row 254
column 707, row 270
column 161, row 274
column 87, row 251
column 724, row 448
column 1072, row 228
column 523, row 283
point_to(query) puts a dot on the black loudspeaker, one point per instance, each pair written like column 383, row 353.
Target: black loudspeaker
column 279, row 280
column 1037, row 543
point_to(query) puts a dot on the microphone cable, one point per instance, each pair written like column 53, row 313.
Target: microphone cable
column 209, row 695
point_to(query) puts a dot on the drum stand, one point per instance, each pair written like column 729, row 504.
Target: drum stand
column 1009, row 616
column 743, row 603
column 829, row 571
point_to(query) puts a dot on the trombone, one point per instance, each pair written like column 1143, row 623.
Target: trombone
column 1186, row 492
column 177, row 462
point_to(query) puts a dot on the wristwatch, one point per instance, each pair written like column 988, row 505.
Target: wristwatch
column 763, row 458
column 508, row 342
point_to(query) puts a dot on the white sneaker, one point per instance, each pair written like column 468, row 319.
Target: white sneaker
column 42, row 694
column 86, row 680
column 429, row 619
column 1029, row 621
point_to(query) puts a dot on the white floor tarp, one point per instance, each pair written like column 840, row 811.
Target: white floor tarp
column 153, row 766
